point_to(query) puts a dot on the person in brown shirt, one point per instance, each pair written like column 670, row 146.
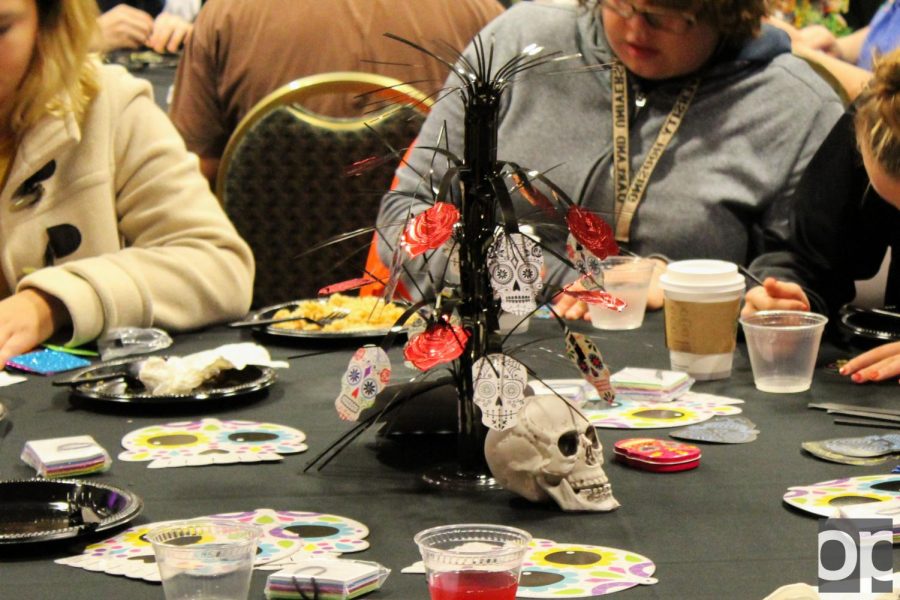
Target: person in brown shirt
column 241, row 51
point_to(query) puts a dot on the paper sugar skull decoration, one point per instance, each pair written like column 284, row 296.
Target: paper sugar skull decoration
column 514, row 262
column 551, row 453
column 211, row 442
column 367, row 374
column 499, row 389
column 584, row 353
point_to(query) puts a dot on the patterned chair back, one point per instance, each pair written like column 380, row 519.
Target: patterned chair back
column 284, row 180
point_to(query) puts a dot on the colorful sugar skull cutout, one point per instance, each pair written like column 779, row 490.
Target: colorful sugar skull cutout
column 515, row 262
column 688, row 409
column 585, row 263
column 288, row 537
column 556, row 570
column 826, row 498
column 586, row 356
column 211, row 441
column 366, row 376
column 499, row 389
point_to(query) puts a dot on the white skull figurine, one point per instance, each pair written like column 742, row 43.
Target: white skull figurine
column 552, row 453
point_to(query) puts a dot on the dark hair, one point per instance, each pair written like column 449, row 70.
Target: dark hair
column 736, row 20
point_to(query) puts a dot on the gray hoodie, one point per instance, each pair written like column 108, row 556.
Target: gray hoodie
column 722, row 188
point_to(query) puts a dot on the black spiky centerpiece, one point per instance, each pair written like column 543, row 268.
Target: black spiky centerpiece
column 473, row 209
column 478, row 311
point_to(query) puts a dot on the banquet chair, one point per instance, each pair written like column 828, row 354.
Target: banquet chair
column 285, row 184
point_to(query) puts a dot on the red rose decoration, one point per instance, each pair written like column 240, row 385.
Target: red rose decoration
column 440, row 343
column 592, row 232
column 429, row 229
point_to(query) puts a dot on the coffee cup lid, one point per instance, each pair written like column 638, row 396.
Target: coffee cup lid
column 702, row 275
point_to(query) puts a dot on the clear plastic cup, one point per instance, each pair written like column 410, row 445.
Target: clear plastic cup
column 627, row 278
column 702, row 302
column 783, row 346
column 205, row 559
column 473, row 561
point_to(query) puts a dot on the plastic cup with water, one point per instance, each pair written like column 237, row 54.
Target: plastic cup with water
column 205, row 560
column 473, row 561
column 783, row 346
column 627, row 278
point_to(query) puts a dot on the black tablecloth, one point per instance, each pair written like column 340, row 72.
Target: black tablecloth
column 719, row 531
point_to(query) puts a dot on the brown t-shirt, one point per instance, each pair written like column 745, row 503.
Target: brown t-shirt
column 242, row 50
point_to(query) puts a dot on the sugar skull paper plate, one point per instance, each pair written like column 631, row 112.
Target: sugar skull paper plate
column 287, row 536
column 827, row 497
column 211, row 441
column 688, row 409
column 556, row 570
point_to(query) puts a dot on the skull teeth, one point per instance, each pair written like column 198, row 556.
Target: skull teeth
column 595, row 492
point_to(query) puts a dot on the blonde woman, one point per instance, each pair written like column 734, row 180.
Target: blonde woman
column 105, row 220
column 847, row 215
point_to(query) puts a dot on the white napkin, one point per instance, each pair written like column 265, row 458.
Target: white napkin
column 180, row 375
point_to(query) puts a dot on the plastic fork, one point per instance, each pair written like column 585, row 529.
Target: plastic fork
column 331, row 317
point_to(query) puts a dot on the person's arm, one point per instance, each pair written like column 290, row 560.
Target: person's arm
column 852, row 78
column 123, row 26
column 848, row 47
column 197, row 111
column 182, row 264
column 28, row 318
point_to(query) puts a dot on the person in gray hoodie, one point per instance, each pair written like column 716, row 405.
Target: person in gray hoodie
column 720, row 187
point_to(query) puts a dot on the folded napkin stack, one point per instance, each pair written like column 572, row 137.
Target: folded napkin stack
column 66, row 457
column 326, row 579
column 653, row 385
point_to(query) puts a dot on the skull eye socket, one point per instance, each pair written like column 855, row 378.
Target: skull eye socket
column 568, row 443
column 591, row 434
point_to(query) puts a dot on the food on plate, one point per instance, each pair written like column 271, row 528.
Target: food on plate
column 366, row 313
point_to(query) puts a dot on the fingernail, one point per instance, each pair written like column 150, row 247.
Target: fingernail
column 872, row 375
column 856, row 377
column 842, row 370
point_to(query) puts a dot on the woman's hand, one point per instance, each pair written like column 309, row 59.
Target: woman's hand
column 878, row 364
column 27, row 318
column 774, row 295
column 169, row 33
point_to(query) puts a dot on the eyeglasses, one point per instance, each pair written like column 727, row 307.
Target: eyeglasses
column 657, row 18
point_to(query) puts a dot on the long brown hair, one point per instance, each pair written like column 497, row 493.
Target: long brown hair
column 62, row 77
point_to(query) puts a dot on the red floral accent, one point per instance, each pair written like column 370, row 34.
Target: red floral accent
column 596, row 297
column 440, row 343
column 343, row 286
column 429, row 229
column 592, row 232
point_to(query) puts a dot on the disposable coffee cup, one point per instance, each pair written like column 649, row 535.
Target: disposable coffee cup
column 702, row 303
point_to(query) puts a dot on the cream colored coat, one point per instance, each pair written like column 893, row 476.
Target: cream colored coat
column 156, row 248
